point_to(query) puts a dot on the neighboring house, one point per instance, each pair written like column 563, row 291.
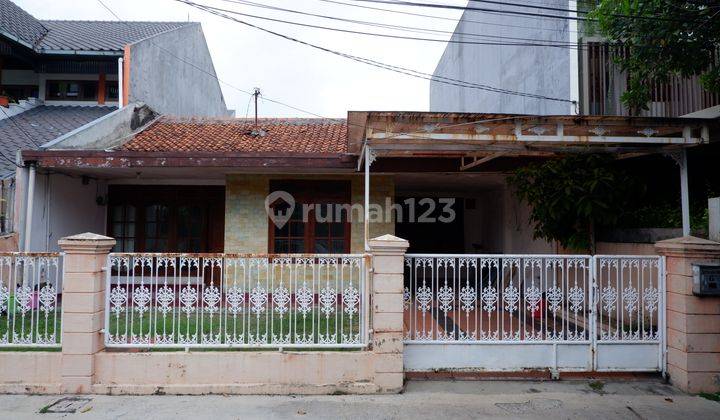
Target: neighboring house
column 586, row 75
column 56, row 76
column 77, row 63
column 26, row 131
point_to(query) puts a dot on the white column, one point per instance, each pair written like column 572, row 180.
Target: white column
column 366, row 212
column 684, row 193
column 29, row 208
column 714, row 216
column 120, row 83
column 574, row 60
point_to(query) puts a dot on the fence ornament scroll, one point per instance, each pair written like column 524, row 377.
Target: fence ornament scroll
column 30, row 306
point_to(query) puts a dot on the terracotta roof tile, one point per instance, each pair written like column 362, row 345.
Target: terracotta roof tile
column 292, row 135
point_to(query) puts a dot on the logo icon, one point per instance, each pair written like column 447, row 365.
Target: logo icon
column 279, row 205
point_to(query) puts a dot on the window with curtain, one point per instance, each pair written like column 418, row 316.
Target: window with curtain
column 122, row 223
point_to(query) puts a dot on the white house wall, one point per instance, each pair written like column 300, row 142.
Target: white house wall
column 517, row 229
column 538, row 70
column 63, row 206
column 169, row 85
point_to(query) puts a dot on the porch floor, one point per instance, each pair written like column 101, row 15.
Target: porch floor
column 481, row 325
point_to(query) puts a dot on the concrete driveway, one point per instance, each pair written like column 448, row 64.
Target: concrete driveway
column 422, row 400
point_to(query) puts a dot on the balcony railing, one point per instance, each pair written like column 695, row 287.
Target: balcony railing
column 605, row 83
column 225, row 300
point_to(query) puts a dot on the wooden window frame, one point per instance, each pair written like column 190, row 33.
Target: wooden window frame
column 174, row 197
column 313, row 192
column 124, row 222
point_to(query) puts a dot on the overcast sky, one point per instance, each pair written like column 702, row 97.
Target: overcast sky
column 292, row 73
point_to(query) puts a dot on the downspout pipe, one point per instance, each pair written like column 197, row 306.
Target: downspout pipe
column 29, row 208
column 120, row 82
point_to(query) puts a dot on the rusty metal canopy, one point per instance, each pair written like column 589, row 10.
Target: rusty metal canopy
column 485, row 136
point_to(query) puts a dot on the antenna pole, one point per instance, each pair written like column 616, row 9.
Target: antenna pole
column 256, row 93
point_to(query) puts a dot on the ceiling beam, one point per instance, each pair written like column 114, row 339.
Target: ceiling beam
column 478, row 162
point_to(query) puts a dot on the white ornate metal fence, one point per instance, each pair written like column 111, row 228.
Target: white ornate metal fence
column 224, row 300
column 582, row 303
column 30, row 310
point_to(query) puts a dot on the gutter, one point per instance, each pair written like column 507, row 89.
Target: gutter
column 16, row 39
column 58, row 52
column 80, row 52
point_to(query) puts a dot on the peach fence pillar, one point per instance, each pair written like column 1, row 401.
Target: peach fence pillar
column 388, row 262
column 83, row 301
column 693, row 322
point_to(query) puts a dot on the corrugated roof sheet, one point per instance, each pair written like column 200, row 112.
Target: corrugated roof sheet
column 19, row 23
column 292, row 135
column 80, row 35
column 39, row 125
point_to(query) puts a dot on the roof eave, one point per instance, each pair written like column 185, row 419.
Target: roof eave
column 93, row 159
column 81, row 52
column 16, row 39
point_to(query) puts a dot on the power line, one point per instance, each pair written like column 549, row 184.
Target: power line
column 410, row 38
column 389, row 26
column 475, row 9
column 214, row 76
column 513, row 12
column 530, row 6
column 397, row 69
column 302, row 110
column 361, row 6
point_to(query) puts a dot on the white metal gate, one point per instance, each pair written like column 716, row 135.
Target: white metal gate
column 519, row 312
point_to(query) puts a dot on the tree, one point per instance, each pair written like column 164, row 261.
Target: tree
column 571, row 196
column 661, row 38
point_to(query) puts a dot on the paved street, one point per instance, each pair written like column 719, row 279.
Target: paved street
column 421, row 400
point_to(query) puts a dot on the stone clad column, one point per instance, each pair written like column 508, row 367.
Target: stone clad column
column 693, row 322
column 388, row 262
column 83, row 300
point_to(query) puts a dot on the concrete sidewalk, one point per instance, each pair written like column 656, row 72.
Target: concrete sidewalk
column 422, row 400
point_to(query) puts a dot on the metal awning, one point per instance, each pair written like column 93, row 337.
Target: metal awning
column 478, row 138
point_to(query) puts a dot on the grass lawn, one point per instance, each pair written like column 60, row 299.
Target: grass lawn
column 314, row 326
column 36, row 328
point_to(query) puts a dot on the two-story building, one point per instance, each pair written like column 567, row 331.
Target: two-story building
column 57, row 76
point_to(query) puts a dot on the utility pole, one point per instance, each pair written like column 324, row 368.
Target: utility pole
column 256, row 93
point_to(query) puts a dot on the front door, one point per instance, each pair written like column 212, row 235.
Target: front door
column 430, row 225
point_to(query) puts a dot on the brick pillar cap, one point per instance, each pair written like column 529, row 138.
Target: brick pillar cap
column 389, row 242
column 688, row 245
column 86, row 241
